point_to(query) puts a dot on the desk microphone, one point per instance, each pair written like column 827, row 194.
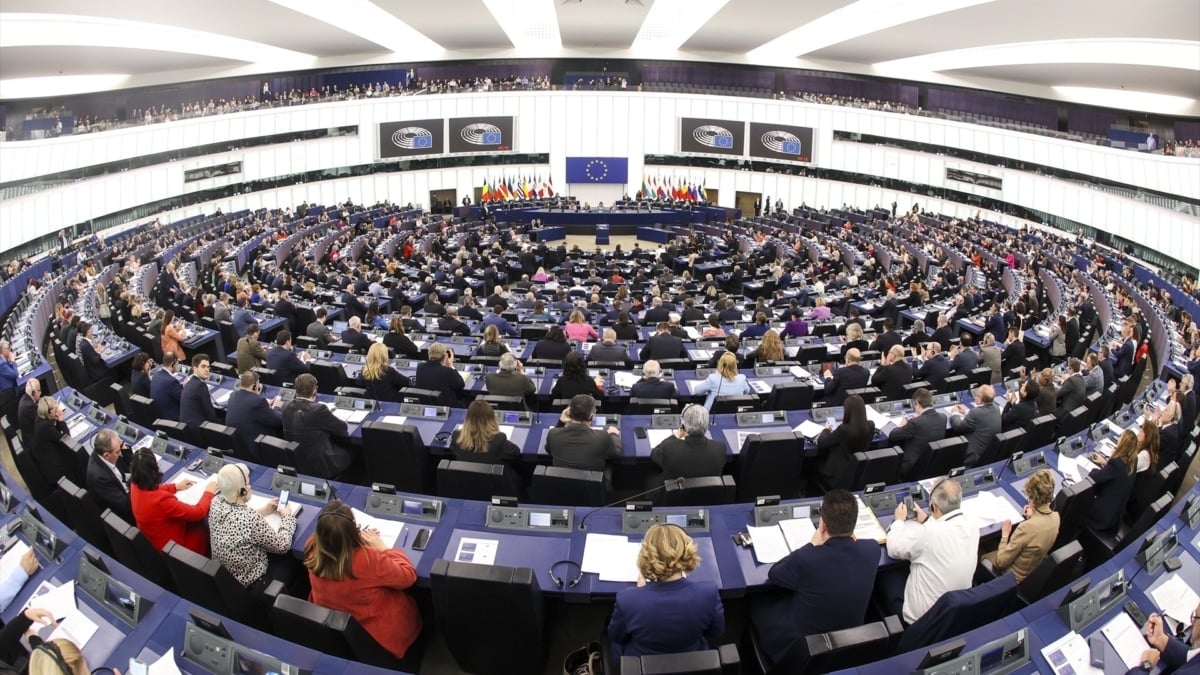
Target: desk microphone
column 677, row 482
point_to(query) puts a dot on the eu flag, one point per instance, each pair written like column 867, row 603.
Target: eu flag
column 597, row 170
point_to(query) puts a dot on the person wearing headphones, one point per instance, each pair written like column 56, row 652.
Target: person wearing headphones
column 56, row 657
column 353, row 570
column 253, row 551
column 666, row 613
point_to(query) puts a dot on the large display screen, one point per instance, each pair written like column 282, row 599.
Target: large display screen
column 781, row 141
column 481, row 134
column 722, row 137
column 411, row 137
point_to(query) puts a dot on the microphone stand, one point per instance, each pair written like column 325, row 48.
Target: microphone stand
column 676, row 482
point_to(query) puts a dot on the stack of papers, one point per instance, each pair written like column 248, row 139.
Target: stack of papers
column 165, row 665
column 700, row 354
column 389, row 530
column 195, row 493
column 1126, row 638
column 350, row 416
column 611, row 556
column 809, row 429
column 1069, row 655
column 273, row 519
column 773, row 543
column 394, row 419
column 625, row 378
column 868, row 526
column 988, row 508
column 59, row 600
column 478, row 551
column 79, row 426
column 1174, row 597
column 880, row 419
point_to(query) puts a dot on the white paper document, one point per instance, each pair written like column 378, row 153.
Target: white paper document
column 1068, row 468
column 868, row 526
column 58, row 600
column 625, row 379
column 79, row 427
column 700, row 354
column 741, row 438
column 656, row 436
column 797, row 532
column 350, row 416
column 273, row 519
column 165, row 665
column 770, row 546
column 195, row 493
column 1175, row 598
column 1126, row 638
column 389, row 530
column 1070, row 655
column 77, row 628
column 760, row 386
column 611, row 556
column 809, row 429
column 478, row 551
column 988, row 508
column 394, row 419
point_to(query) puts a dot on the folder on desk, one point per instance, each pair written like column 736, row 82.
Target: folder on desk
column 773, row 543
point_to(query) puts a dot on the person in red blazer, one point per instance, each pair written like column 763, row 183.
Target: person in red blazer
column 354, row 571
column 159, row 515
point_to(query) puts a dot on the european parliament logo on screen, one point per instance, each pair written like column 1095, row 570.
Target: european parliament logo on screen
column 777, row 141
column 597, row 170
column 481, row 134
column 726, row 137
column 411, row 137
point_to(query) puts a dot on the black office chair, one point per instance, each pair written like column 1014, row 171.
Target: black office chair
column 876, row 466
column 826, row 652
column 505, row 402
column 647, row 406
column 1100, row 546
column 268, row 376
column 329, row 375
column 869, row 394
column 1072, row 503
column 337, row 634
column 136, row 552
column 770, row 464
column 467, row 599
column 724, row 405
column 700, row 491
column 141, row 411
column 961, row 611
column 274, row 451
column 120, row 398
column 1008, row 443
column 911, row 388
column 1073, row 422
column 39, row 488
column 945, row 454
column 1040, row 432
column 567, row 487
column 396, row 455
column 1147, row 486
column 207, row 583
column 790, row 396
column 227, row 440
column 980, row 376
column 475, row 480
column 1061, row 567
column 812, row 353
column 84, row 514
column 426, row 396
column 223, row 369
column 955, row 383
column 1093, row 403
column 178, row 431
column 724, row 660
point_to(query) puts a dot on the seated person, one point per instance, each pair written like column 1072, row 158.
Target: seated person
column 731, row 346
column 313, row 425
column 139, row 377
column 1175, row 655
column 652, row 385
column 354, row 571
column 509, row 379
column 1023, row 549
column 1022, row 406
column 250, row 414
column 688, row 452
column 159, row 514
column 397, row 340
column 283, row 360
column 355, row 337
column 829, row 582
column 55, row 459
column 480, row 438
column 11, row 584
column 253, row 551
column 106, row 474
column 576, row 380
column 552, row 347
column 727, row 381
column 853, row 375
column 491, row 345
column 573, row 442
column 940, row 546
column 250, row 352
column 980, row 424
column 769, row 350
column 609, row 351
column 381, row 381
column 195, row 403
column 838, row 446
column 438, row 374
column 666, row 613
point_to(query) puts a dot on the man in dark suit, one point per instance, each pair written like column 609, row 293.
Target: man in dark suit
column 963, row 359
column 195, row 403
column 829, row 582
column 608, row 351
column 690, row 313
column 250, row 414
column 285, row 310
column 936, row 367
column 1123, row 355
column 980, row 424
column 283, row 360
column 318, row 331
column 165, row 390
column 312, row 425
column 452, row 324
column 1106, row 367
column 1072, row 331
column 1022, row 407
column 688, row 452
column 887, row 339
column 574, row 444
column 652, row 385
column 1176, row 655
column 656, row 314
column 106, row 474
column 354, row 336
column 93, row 363
column 995, row 324
column 893, row 375
column 1014, row 352
column 1073, row 391
column 353, row 307
column 850, row 376
column 663, row 345
column 438, row 374
column 915, row 434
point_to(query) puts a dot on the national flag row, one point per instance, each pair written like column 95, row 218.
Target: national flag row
column 672, row 188
column 517, row 188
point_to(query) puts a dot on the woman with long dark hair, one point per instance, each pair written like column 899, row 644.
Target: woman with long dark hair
column 853, row 435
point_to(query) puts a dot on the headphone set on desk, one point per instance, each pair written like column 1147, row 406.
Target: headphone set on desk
column 559, row 581
column 442, row 438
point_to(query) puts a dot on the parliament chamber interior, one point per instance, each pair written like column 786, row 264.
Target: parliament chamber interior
column 601, row 336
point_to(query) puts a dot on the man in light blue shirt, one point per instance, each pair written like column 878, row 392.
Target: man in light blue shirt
column 11, row 584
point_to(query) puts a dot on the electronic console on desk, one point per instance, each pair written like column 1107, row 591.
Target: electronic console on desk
column 973, row 481
column 513, row 417
column 354, row 358
column 285, row 478
column 418, row 409
column 668, row 421
column 768, row 511
column 749, row 419
column 505, row 514
column 640, row 517
column 162, row 447
column 95, row 580
column 351, row 403
column 883, row 501
column 384, row 501
column 1024, row 464
column 222, row 655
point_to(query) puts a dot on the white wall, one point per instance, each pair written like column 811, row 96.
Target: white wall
column 630, row 125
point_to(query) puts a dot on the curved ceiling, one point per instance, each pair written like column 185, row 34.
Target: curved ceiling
column 1027, row 47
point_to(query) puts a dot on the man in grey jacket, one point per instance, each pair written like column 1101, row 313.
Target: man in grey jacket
column 980, row 425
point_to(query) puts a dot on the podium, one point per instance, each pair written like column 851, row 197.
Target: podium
column 601, row 234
